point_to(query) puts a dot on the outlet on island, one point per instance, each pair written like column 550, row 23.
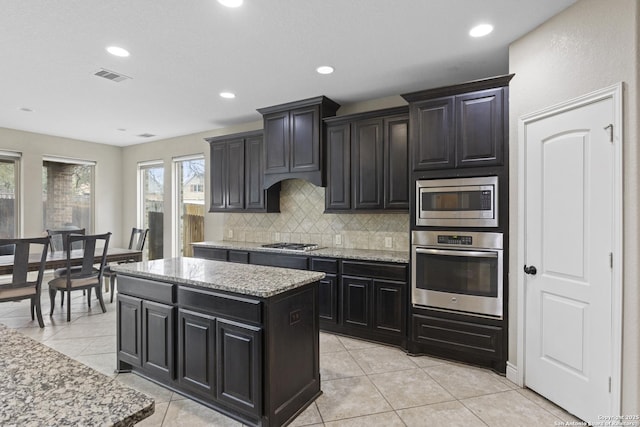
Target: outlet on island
column 230, row 233
column 338, row 239
column 388, row 242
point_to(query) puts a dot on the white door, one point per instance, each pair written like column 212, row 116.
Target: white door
column 569, row 219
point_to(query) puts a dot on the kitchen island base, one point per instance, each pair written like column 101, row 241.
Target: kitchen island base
column 254, row 359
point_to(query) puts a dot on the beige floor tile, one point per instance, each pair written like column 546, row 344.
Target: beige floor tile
column 449, row 414
column 105, row 363
column 350, row 397
column 427, row 361
column 509, row 409
column 157, row 418
column 338, row 365
column 85, row 330
column 382, row 359
column 41, row 334
column 151, row 389
column 189, row 413
column 354, row 343
column 386, row 419
column 466, row 381
column 70, row 347
column 406, row 389
column 309, row 417
column 101, row 345
column 330, row 343
column 548, row 405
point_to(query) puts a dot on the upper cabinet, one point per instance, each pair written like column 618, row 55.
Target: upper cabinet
column 459, row 126
column 237, row 171
column 294, row 140
column 367, row 161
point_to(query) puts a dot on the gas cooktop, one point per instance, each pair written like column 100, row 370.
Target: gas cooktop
column 300, row 247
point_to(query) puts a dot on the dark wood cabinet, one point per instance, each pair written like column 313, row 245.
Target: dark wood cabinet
column 459, row 126
column 279, row 260
column 129, row 329
column 237, row 173
column 294, row 140
column 390, row 307
column 356, row 297
column 367, row 166
column 239, row 366
column 158, row 322
column 196, row 352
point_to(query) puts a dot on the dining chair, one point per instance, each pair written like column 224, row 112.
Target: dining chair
column 136, row 242
column 59, row 244
column 87, row 276
column 20, row 288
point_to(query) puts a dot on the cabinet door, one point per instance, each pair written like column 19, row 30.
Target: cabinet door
column 396, row 163
column 276, row 142
column 254, row 171
column 305, row 139
column 239, row 366
column 479, row 128
column 235, row 174
column 356, row 301
column 130, row 329
column 432, row 136
column 157, row 340
column 367, row 164
column 210, row 253
column 338, row 191
column 328, row 298
column 218, row 176
column 390, row 306
column 196, row 352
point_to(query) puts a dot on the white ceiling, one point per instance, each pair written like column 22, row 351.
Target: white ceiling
column 184, row 52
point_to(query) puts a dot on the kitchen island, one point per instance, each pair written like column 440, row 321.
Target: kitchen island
column 42, row 387
column 242, row 339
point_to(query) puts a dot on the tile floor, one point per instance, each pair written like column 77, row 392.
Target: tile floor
column 364, row 384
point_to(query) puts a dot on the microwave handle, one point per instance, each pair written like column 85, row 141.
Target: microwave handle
column 476, row 254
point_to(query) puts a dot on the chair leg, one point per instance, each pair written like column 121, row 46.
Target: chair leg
column 38, row 310
column 68, row 306
column 52, row 296
column 112, row 285
column 62, row 299
column 99, row 295
column 32, row 307
column 88, row 296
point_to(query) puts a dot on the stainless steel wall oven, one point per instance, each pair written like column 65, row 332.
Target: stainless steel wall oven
column 461, row 271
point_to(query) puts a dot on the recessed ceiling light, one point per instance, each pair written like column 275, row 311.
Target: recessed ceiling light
column 118, row 51
column 230, row 3
column 481, row 30
column 324, row 69
column 228, row 95
column 26, row 109
column 122, row 129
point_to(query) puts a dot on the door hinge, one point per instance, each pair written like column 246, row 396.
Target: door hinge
column 610, row 127
column 611, row 260
column 609, row 384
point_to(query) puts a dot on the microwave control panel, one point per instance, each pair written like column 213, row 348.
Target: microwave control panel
column 455, row 240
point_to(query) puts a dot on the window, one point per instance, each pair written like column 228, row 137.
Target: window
column 67, row 194
column 189, row 210
column 9, row 194
column 151, row 206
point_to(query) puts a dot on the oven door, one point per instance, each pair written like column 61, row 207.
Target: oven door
column 462, row 280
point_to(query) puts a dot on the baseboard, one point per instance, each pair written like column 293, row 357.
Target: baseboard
column 512, row 374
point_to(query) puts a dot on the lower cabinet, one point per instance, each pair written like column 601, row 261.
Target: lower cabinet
column 196, row 352
column 328, row 298
column 129, row 329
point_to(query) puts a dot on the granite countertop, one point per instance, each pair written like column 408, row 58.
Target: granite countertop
column 245, row 279
column 42, row 387
column 358, row 254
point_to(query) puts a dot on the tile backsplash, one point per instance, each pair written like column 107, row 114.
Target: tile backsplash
column 301, row 220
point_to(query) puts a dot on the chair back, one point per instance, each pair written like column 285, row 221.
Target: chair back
column 138, row 238
column 89, row 244
column 59, row 238
column 7, row 249
column 21, row 251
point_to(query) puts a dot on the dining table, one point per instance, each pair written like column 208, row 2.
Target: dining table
column 58, row 259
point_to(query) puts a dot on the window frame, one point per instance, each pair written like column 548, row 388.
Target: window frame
column 16, row 158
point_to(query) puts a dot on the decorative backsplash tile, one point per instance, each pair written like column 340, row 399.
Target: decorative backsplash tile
column 301, row 220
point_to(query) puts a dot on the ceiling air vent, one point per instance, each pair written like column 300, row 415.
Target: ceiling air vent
column 146, row 135
column 111, row 75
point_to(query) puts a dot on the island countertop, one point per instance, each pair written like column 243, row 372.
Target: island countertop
column 245, row 279
column 40, row 386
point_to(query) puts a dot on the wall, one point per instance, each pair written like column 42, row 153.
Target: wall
column 591, row 45
column 108, row 178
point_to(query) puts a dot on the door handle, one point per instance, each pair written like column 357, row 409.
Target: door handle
column 532, row 270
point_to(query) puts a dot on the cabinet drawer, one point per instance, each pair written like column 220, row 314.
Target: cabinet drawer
column 325, row 265
column 279, row 260
column 210, row 253
column 375, row 270
column 241, row 257
column 223, row 305
column 459, row 336
column 147, row 289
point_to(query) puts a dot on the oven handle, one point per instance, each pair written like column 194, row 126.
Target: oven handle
column 476, row 254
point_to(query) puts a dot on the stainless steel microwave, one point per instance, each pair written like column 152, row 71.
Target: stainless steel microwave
column 457, row 202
